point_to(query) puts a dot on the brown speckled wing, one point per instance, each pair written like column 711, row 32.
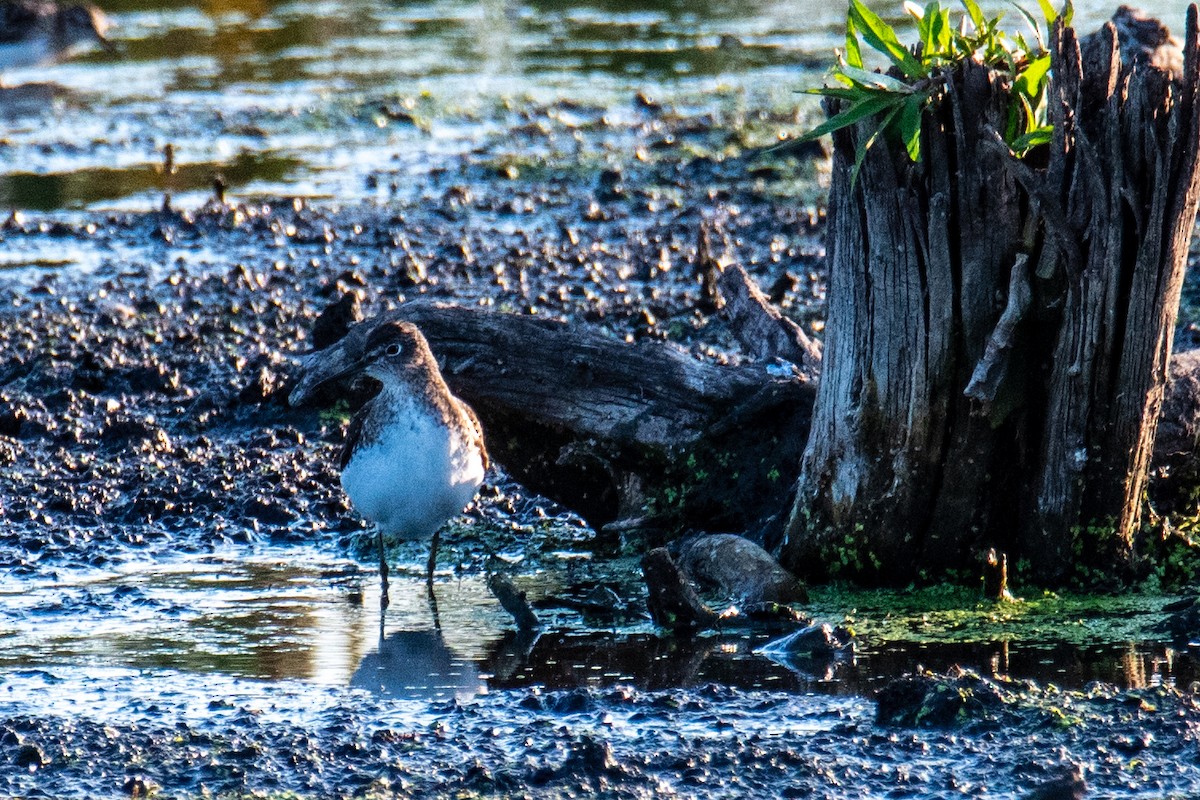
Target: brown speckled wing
column 478, row 426
column 353, row 434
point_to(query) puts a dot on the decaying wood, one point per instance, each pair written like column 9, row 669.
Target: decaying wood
column 737, row 567
column 513, row 600
column 993, row 367
column 335, row 320
column 1134, row 190
column 612, row 430
column 759, row 327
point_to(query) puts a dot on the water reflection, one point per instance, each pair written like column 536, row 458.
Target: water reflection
column 417, row 664
column 47, row 191
column 304, row 76
column 314, row 620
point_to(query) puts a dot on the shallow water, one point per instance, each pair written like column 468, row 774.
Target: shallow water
column 296, row 614
column 285, row 98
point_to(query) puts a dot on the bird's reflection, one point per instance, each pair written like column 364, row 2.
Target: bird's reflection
column 417, row 664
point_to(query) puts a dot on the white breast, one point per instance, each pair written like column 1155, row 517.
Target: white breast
column 416, row 476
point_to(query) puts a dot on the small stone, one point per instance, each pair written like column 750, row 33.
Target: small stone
column 30, row 757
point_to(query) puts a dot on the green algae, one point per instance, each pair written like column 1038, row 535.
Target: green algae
column 958, row 614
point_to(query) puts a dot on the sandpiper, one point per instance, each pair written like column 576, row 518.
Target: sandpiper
column 414, row 454
column 34, row 32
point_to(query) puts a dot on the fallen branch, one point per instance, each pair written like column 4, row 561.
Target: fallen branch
column 588, row 421
column 672, row 601
column 513, row 600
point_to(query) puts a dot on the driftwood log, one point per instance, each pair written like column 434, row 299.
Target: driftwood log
column 628, row 436
column 604, row 441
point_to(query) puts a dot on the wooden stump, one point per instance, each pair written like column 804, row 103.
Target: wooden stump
column 999, row 330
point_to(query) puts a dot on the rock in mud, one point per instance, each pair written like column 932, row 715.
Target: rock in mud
column 928, row 700
column 738, row 567
column 1068, row 786
column 815, row 641
column 30, row 757
column 1183, row 624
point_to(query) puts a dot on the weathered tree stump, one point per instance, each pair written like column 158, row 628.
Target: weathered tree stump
column 999, row 330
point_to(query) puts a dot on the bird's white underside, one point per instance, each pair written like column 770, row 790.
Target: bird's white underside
column 417, row 477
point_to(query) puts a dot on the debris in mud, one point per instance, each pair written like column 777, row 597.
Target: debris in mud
column 327, row 741
column 959, row 698
column 514, row 601
column 820, row 641
column 673, row 602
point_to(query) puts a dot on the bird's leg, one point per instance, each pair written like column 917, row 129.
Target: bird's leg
column 433, row 551
column 383, row 570
column 433, row 609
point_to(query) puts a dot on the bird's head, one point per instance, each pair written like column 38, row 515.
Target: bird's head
column 84, row 24
column 386, row 352
column 393, row 349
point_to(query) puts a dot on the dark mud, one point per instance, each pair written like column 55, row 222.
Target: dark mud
column 143, row 399
column 232, row 739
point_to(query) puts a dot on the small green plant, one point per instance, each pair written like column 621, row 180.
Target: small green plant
column 899, row 98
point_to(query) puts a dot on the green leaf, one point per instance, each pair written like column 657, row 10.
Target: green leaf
column 937, row 21
column 910, row 124
column 918, row 13
column 853, row 51
column 864, row 146
column 1068, row 13
column 945, row 33
column 1037, row 31
column 875, row 80
column 866, row 107
column 976, row 15
column 1048, row 11
column 1042, row 135
column 1030, row 121
column 1013, row 118
column 849, row 95
column 1029, row 83
column 880, row 36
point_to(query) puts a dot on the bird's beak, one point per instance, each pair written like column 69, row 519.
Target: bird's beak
column 102, row 26
column 325, row 366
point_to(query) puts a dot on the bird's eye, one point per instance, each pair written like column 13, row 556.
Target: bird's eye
column 393, row 350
